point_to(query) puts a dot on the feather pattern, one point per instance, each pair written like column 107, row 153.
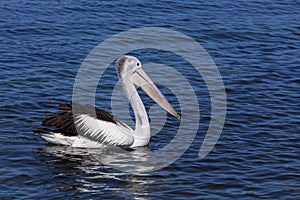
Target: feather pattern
column 104, row 132
column 102, row 129
column 63, row 119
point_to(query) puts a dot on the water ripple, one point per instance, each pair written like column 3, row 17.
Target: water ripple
column 256, row 48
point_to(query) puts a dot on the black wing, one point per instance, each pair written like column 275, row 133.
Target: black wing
column 63, row 121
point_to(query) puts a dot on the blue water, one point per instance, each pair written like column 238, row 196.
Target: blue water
column 256, row 46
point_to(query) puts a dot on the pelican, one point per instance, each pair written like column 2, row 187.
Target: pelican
column 82, row 129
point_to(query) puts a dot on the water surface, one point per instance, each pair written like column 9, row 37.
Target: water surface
column 256, row 48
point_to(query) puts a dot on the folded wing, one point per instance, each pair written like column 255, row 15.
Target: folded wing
column 102, row 128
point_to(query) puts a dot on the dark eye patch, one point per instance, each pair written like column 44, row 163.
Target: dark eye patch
column 122, row 60
column 120, row 64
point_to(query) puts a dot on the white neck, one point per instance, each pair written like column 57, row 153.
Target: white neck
column 142, row 128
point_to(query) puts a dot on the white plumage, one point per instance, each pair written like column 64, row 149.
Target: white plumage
column 85, row 130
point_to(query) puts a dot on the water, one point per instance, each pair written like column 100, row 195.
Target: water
column 256, row 48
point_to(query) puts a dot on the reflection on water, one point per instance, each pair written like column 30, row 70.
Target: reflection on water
column 96, row 165
column 127, row 160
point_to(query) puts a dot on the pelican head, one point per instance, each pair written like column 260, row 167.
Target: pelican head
column 127, row 65
column 130, row 70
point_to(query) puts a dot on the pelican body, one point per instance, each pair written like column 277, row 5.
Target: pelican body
column 83, row 129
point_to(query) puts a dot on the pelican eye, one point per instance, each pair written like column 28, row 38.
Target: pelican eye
column 138, row 64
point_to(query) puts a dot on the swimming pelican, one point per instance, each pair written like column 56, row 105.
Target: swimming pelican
column 81, row 129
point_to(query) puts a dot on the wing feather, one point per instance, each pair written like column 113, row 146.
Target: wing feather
column 103, row 131
column 102, row 128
